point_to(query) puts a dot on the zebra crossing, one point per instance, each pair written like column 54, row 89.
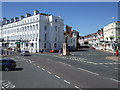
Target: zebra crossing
column 6, row 84
column 84, row 60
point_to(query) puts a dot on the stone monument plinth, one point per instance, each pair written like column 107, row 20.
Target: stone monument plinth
column 65, row 49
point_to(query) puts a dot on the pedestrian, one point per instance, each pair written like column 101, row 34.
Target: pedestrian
column 61, row 52
column 42, row 51
column 116, row 53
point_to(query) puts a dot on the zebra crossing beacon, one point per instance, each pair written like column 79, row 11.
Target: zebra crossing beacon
column 33, row 32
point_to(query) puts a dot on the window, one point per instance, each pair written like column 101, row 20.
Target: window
column 55, row 28
column 37, row 19
column 36, row 26
column 27, row 27
column 55, row 20
column 33, row 27
column 112, row 32
column 30, row 20
column 44, row 45
column 32, row 44
column 28, row 37
column 45, row 27
column 36, row 35
column 71, row 40
column 30, row 27
column 50, row 45
column 33, row 20
column 26, row 44
column 18, row 30
column 55, row 45
column 45, row 37
column 55, row 38
column 22, row 29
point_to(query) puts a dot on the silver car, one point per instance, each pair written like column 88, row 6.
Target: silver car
column 25, row 53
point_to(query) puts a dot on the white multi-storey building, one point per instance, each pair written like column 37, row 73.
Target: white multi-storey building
column 111, row 35
column 33, row 32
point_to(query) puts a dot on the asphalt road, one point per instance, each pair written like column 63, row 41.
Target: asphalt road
column 83, row 69
column 28, row 75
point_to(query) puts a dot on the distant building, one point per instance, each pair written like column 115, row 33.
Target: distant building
column 33, row 32
column 107, row 38
column 72, row 37
column 95, row 39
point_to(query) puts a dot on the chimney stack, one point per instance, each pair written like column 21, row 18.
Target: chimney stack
column 16, row 19
column 12, row 20
column 36, row 12
column 4, row 21
column 8, row 21
column 21, row 17
column 28, row 14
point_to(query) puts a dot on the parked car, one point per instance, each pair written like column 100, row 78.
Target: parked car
column 92, row 47
column 54, row 51
column 7, row 64
column 25, row 53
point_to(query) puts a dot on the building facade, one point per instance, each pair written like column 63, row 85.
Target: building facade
column 111, row 36
column 94, row 39
column 72, row 36
column 33, row 32
column 107, row 38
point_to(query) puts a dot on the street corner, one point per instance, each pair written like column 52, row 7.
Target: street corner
column 115, row 58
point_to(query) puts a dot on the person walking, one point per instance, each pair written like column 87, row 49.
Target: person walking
column 61, row 52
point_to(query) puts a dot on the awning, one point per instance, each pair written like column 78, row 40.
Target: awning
column 17, row 42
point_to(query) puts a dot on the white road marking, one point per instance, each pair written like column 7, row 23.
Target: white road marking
column 100, row 63
column 64, row 63
column 43, row 69
column 69, row 65
column 23, row 59
column 114, row 80
column 49, row 72
column 88, row 71
column 34, row 64
column 7, row 84
column 48, row 59
column 38, row 66
column 105, row 63
column 115, row 68
column 57, row 76
column 30, row 61
column 110, row 63
column 66, row 81
column 105, row 66
column 76, row 87
column 88, row 62
column 95, row 63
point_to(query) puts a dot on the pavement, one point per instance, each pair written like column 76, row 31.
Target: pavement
column 115, row 58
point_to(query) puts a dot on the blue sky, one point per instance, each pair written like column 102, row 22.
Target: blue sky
column 85, row 17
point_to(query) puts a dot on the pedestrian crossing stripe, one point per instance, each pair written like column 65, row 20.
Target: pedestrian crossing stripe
column 82, row 60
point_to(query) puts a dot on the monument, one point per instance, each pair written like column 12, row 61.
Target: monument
column 65, row 47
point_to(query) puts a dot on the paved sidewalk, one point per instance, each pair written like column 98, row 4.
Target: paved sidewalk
column 115, row 58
